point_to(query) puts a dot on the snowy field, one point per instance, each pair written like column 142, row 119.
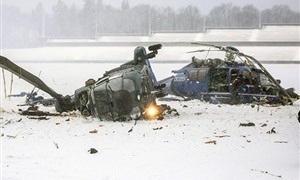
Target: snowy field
column 205, row 142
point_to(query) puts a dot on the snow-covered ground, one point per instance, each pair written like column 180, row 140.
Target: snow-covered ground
column 205, row 142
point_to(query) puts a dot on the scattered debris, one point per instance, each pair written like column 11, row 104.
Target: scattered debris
column 39, row 118
column 211, row 142
column 19, row 120
column 56, row 145
column 222, row 136
column 8, row 122
column 2, row 134
column 175, row 112
column 159, row 112
column 299, row 116
column 185, row 106
column 14, row 137
column 198, row 114
column 247, row 124
column 92, row 151
column 160, row 118
column 281, row 142
column 101, row 125
column 57, row 123
column 32, row 108
column 67, row 119
column 9, row 136
column 38, row 113
column 272, row 131
column 93, row 131
column 264, row 125
column 131, row 129
column 266, row 172
column 169, row 110
column 158, row 128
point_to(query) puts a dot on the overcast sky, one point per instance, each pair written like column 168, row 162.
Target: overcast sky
column 204, row 5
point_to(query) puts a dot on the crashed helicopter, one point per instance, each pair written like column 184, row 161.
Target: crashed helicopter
column 126, row 92
column 235, row 78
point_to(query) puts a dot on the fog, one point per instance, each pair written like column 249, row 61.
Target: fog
column 204, row 6
column 30, row 24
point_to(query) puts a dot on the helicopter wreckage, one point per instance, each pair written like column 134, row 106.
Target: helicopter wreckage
column 130, row 91
column 235, row 78
column 126, row 92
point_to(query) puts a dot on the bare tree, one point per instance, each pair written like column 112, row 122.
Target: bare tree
column 249, row 17
column 60, row 22
column 280, row 14
column 94, row 19
column 189, row 18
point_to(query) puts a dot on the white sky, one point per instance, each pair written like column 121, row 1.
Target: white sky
column 204, row 5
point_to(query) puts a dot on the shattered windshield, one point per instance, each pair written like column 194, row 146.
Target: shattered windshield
column 121, row 84
column 265, row 81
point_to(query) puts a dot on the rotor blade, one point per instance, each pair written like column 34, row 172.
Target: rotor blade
column 202, row 50
column 210, row 45
column 27, row 76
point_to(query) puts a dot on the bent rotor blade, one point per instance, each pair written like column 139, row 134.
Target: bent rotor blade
column 27, row 76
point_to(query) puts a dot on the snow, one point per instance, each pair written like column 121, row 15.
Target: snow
column 177, row 147
column 267, row 33
column 180, row 150
column 216, row 35
column 279, row 33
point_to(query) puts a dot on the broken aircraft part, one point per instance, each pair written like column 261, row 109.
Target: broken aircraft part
column 122, row 93
column 234, row 78
column 64, row 102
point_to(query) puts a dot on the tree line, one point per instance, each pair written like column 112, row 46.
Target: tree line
column 95, row 18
